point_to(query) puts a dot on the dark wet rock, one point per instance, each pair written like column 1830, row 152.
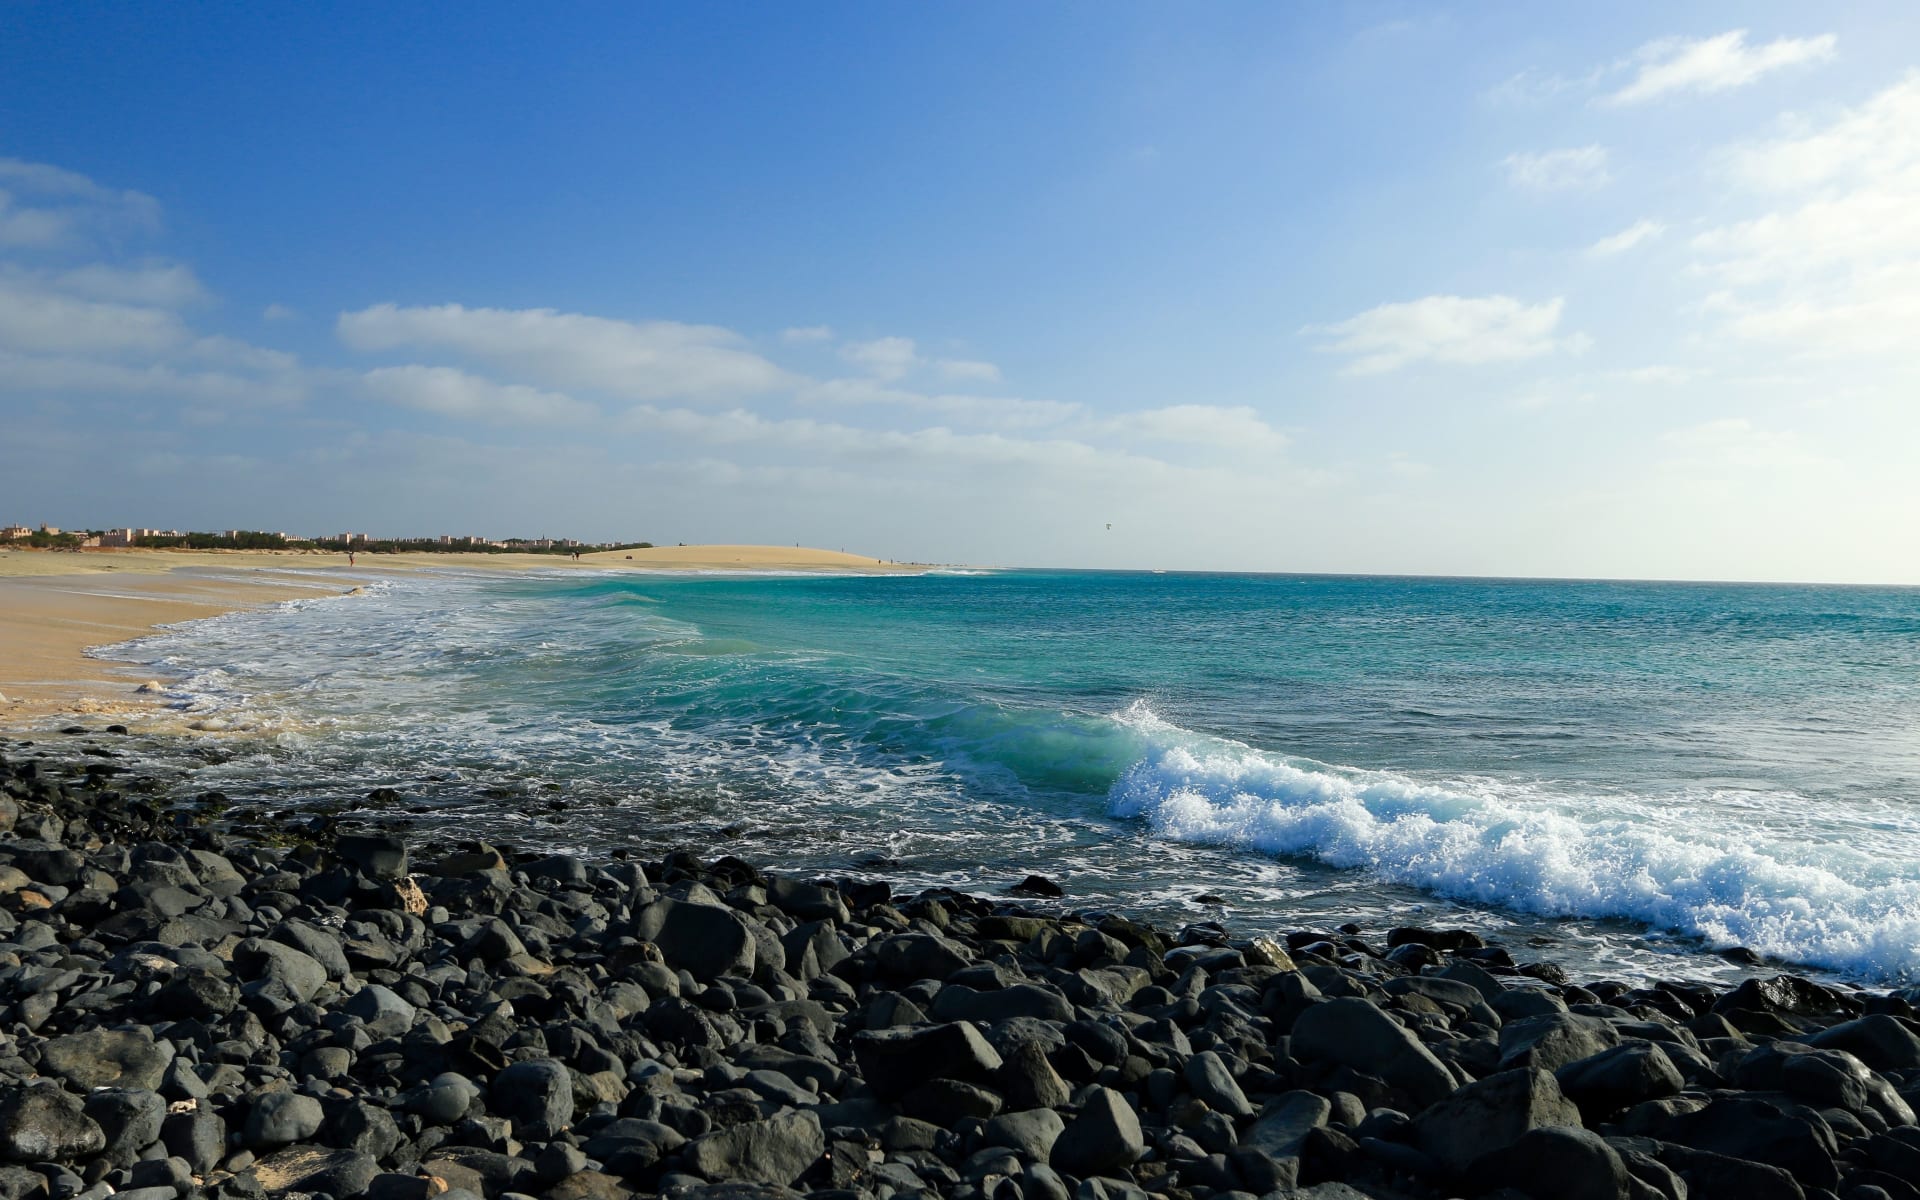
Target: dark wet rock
column 1037, row 885
column 777, row 1150
column 1882, row 1042
column 1796, row 1141
column 1711, row 1176
column 444, row 1099
column 1104, row 1136
column 536, row 1095
column 197, row 1136
column 1491, row 1113
column 281, row 1118
column 1573, row 1163
column 1552, row 1040
column 381, row 1010
column 1028, row 1080
column 1354, row 1033
column 1435, row 939
column 893, row 1061
column 706, row 940
column 1619, row 1077
column 318, row 944
column 1282, row 1129
column 196, row 993
column 41, row 1123
column 1789, row 995
column 957, row 1003
column 1032, row 1133
column 914, row 956
column 125, row 1058
column 373, row 855
column 1209, row 1079
column 260, row 959
column 130, row 1119
column 947, row 1102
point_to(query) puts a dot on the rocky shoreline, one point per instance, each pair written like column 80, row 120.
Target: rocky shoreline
column 192, row 1005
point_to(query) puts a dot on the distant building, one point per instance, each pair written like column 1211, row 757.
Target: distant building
column 119, row 537
column 15, row 531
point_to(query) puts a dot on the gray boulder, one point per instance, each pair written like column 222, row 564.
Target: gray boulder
column 894, row 1061
column 297, row 971
column 1352, row 1032
column 536, row 1095
column 1028, row 1080
column 383, row 1011
column 1282, row 1129
column 1489, row 1114
column 1103, row 1138
column 1880, row 1041
column 1552, row 1040
column 130, row 1119
column 41, row 1122
column 702, row 939
column 122, row 1058
column 1209, row 1079
column 1031, row 1133
column 1573, row 1163
column 280, row 1119
column 1614, row 1079
column 774, row 1151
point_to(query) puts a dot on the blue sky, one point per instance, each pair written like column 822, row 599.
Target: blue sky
column 1377, row 287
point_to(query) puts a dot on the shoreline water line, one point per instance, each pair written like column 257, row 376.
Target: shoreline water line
column 807, row 720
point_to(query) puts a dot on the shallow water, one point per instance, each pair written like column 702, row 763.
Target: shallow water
column 1633, row 773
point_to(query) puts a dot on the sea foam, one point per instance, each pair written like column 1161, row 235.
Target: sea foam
column 1680, row 864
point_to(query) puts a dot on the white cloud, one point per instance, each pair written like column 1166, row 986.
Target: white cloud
column 31, row 227
column 454, row 393
column 1657, row 374
column 1879, row 138
column 801, row 334
column 1715, row 64
column 278, row 312
column 1633, row 235
column 800, row 434
column 1837, row 268
column 1238, row 429
column 967, row 368
column 648, row 360
column 63, row 204
column 1533, row 86
column 1736, row 442
column 1558, row 170
column 884, row 358
column 233, row 352
column 1006, row 412
column 21, row 373
column 1404, row 465
column 158, row 284
column 1448, row 329
column 35, row 319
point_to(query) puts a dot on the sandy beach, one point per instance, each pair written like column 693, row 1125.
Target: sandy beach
column 55, row 605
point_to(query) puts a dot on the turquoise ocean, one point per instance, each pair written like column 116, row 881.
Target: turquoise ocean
column 1621, row 777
